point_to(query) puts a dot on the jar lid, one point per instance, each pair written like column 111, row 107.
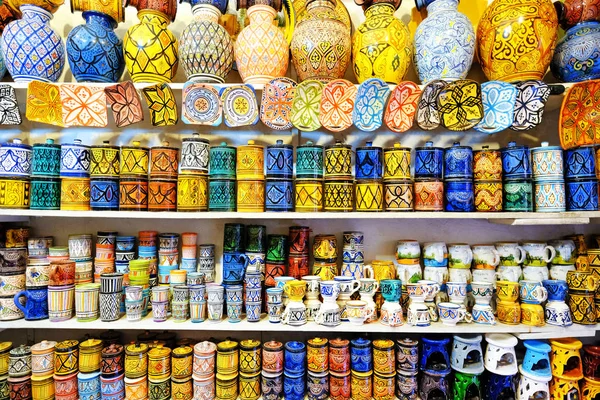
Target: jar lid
column 360, row 342
column 16, row 142
column 513, row 146
column 112, row 350
column 295, row 346
column 568, row 343
column 136, row 348
column 310, row 145
column 5, row 346
column 339, row 342
column 195, row 138
column 429, row 146
column 20, row 351
column 272, row 345
column 77, row 143
column 369, row 146
column 252, row 143
column 105, row 145
column 339, row 145
column 546, row 146
column 90, row 344
column 227, row 345
column 250, row 344
column 42, row 347
column 182, row 351
column 317, row 342
column 164, row 146
column 456, row 145
column 49, row 143
column 67, row 345
column 205, row 347
column 279, row 145
column 383, row 344
column 223, row 145
column 135, row 145
column 397, row 146
column 362, row 374
column 159, row 351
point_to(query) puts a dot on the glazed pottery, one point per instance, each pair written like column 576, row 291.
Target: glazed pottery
column 459, row 105
column 580, row 163
column 305, row 106
column 261, row 50
column 402, row 106
column 428, row 114
column 444, row 43
column 46, row 62
column 578, row 121
column 205, row 47
column 582, row 195
column 36, row 303
column 11, row 114
column 94, row 51
column 321, row 44
column 369, row 104
column 201, row 105
column 516, row 39
column 337, row 104
column 381, row 28
column 83, row 105
column 239, row 105
column 498, row 100
column 44, row 103
column 429, row 161
column 529, row 105
column 487, row 165
column 125, row 103
column 276, row 103
column 162, row 105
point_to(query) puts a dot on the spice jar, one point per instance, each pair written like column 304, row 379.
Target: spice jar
column 42, row 387
column 204, row 359
column 317, row 355
column 19, row 362
column 42, row 358
column 66, row 357
column 5, row 348
column 159, row 363
column 90, row 355
column 136, row 360
column 384, row 357
column 113, row 359
column 250, row 356
column 227, row 358
column 272, row 357
column 339, row 356
column 181, row 362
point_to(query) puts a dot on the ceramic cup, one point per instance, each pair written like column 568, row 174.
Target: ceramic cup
column 368, row 286
column 358, row 312
column 482, row 291
column 532, row 292
column 391, row 314
column 36, row 303
column 329, row 314
column 294, row 314
column 559, row 272
column 536, row 273
column 380, row 270
column 460, row 255
column 538, row 254
column 511, row 254
column 330, row 290
column 582, row 281
column 409, row 272
column 312, row 285
column 418, row 315
column 566, row 252
column 485, row 275
column 348, row 286
column 417, row 291
column 451, row 313
column 408, row 252
column 558, row 313
column 460, row 275
column 557, row 290
column 508, row 312
column 485, row 256
column 509, row 273
column 483, row 314
column 437, row 274
column 274, row 311
column 507, row 291
column 431, row 289
column 532, row 314
column 435, row 254
column 274, row 295
column 353, row 270
column 457, row 292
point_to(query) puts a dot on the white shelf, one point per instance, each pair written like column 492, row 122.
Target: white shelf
column 139, row 86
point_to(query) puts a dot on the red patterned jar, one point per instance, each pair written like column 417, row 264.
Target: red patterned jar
column 339, row 356
column 65, row 387
column 272, row 361
column 339, row 386
column 429, row 195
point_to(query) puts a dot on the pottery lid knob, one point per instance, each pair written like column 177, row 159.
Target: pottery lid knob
column 309, row 143
column 106, row 142
column 369, row 144
column 429, row 143
column 279, row 141
column 250, row 142
column 485, row 147
column 456, row 144
column 136, row 143
column 397, row 145
column 165, row 143
column 17, row 141
column 195, row 134
column 223, row 144
column 49, row 141
column 545, row 144
column 77, row 141
column 512, row 144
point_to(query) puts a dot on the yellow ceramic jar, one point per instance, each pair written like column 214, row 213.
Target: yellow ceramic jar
column 308, row 195
column 66, row 357
column 75, row 194
column 227, row 386
column 532, row 314
column 90, row 355
column 5, row 348
column 182, row 362
column 134, row 160
column 192, row 192
column 566, row 351
column 339, row 195
column 42, row 387
column 136, row 361
column 250, row 356
column 251, row 196
column 227, row 358
column 182, row 388
column 317, row 355
column 369, row 196
column 362, row 385
column 159, row 363
column 15, row 193
column 396, row 162
column 250, row 388
column 250, row 161
column 384, row 357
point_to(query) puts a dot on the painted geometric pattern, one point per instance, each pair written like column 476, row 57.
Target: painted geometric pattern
column 239, row 105
column 83, row 105
column 9, row 108
column 337, row 103
column 305, row 107
column 369, row 105
column 579, row 115
column 402, row 107
column 125, row 103
column 276, row 104
column 498, row 106
column 162, row 105
column 44, row 103
column 201, row 104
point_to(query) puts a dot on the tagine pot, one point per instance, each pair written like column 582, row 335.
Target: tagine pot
column 25, row 57
column 381, row 46
column 321, row 44
column 577, row 56
column 261, row 50
column 516, row 39
column 205, row 47
column 444, row 43
column 114, row 9
column 94, row 51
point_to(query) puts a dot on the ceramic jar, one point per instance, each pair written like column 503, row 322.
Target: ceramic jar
column 94, row 51
column 205, row 47
column 516, row 39
column 444, row 43
column 19, row 37
column 321, row 44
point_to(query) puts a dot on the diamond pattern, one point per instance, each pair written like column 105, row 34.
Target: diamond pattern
column 83, row 105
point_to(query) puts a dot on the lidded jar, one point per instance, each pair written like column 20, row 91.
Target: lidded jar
column 90, row 355
column 182, row 362
column 272, row 357
column 250, row 356
column 66, row 357
column 136, row 360
column 19, row 362
column 5, row 348
column 204, row 359
column 159, row 363
column 113, row 360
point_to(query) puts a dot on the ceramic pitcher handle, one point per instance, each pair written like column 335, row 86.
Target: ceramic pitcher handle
column 319, row 317
column 552, row 251
column 496, row 258
column 22, row 293
column 522, row 254
column 368, row 271
column 355, row 286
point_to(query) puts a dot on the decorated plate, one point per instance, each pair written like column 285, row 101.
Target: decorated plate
column 239, row 105
column 337, row 104
column 402, row 107
column 530, row 103
column 498, row 106
column 460, row 106
column 276, row 103
column 305, row 107
column 370, row 102
column 428, row 115
column 579, row 121
column 201, row 104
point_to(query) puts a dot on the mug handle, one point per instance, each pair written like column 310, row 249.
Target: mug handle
column 435, row 289
column 552, row 251
column 469, row 256
column 377, row 285
column 319, row 317
column 544, row 292
column 522, row 255
column 496, row 258
column 368, row 272
column 22, row 293
column 355, row 286
column 369, row 312
column 246, row 262
column 439, row 255
column 468, row 317
column 285, row 317
column 462, row 315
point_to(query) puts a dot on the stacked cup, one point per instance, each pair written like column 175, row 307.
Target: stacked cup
column 353, row 255
column 168, row 255
column 180, row 306
column 294, row 381
column 274, row 304
column 203, row 368
column 234, row 295
column 136, row 370
column 192, row 181
column 298, row 254
column 272, row 370
column 86, row 301
column 516, row 167
column 391, row 311
column 45, row 173
column 407, row 368
column 90, row 362
column 215, row 295
column 369, row 178
column 228, row 357
column 325, row 253
column 188, row 251
column 508, row 307
column 384, row 368
column 548, row 177
column 133, row 303
column 125, row 252
column 160, row 303
column 275, row 263
column 61, row 290
column 42, row 363
column 458, row 178
column 234, row 259
column 104, row 263
column 112, row 384
column 80, row 251
column 279, row 185
column 111, row 289
column 256, row 245
column 556, row 310
column 253, row 295
column 582, row 184
column 487, row 171
column 147, row 250
column 139, row 275
column 206, row 261
column 197, row 301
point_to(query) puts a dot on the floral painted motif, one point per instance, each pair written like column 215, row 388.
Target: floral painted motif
column 529, row 106
column 276, row 103
column 498, row 106
column 402, row 107
column 162, row 105
column 370, row 102
column 305, row 107
column 239, row 105
column 125, row 103
column 337, row 103
column 44, row 103
column 460, row 105
column 201, row 105
column 9, row 107
column 428, row 115
column 83, row 105
column 580, row 115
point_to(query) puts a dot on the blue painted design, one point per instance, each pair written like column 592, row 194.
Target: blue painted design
column 46, row 159
column 459, row 196
column 516, row 162
column 234, row 311
column 580, row 163
column 318, row 385
column 294, row 386
column 253, row 295
column 279, row 195
column 557, row 290
column 458, row 162
column 369, row 105
column 104, row 194
column 434, row 356
column 220, row 4
column 295, row 358
column 361, row 358
column 391, row 289
column 429, row 161
column 498, row 387
column 75, row 160
column 88, row 385
column 272, row 386
column 234, row 266
column 36, row 303
column 253, row 312
column 94, row 51
column 280, row 160
column 536, row 362
column 32, row 50
column 2, row 66
column 112, row 388
column 369, row 162
column 529, row 105
column 577, row 54
column 498, row 106
column 582, row 195
column 550, row 196
column 234, row 293
column 444, row 43
column 15, row 159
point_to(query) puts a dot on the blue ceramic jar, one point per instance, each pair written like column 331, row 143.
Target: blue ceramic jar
column 459, row 196
column 582, row 195
column 74, row 160
column 294, row 386
column 361, row 357
column 574, row 60
column 94, row 51
column 294, row 358
column 15, row 159
column 221, row 194
column 434, row 356
column 318, row 385
column 580, row 163
column 222, row 162
column 88, row 385
column 429, row 161
column 309, row 161
column 46, row 159
column 516, row 162
column 272, row 386
column 458, row 162
column 547, row 163
column 550, row 196
column 45, row 194
column 279, row 195
column 36, row 303
column 104, row 194
column 280, row 161
column 369, row 162
column 234, row 266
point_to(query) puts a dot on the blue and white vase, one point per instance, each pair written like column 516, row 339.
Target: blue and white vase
column 32, row 50
column 444, row 43
column 94, row 51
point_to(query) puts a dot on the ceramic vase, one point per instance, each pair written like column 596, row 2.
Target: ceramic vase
column 261, row 50
column 94, row 51
column 444, row 43
column 32, row 50
column 321, row 44
column 381, row 46
column 516, row 39
column 150, row 48
column 205, row 47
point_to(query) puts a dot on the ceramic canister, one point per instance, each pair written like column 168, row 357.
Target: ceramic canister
column 550, row 196
column 159, row 363
column 317, row 355
column 74, row 160
column 66, row 357
column 250, row 161
column 133, row 194
column 46, row 159
column 516, row 162
column 42, row 386
column 104, row 194
column 309, row 161
column 113, row 360
column 90, row 355
column 42, row 358
column 181, row 362
column 14, row 260
column 45, row 194
column 250, row 195
column 459, row 195
column 222, row 161
column 429, row 161
column 339, row 195
column 75, row 194
column 272, row 357
column 5, row 348
column 16, row 159
column 250, row 356
column 280, row 160
column 429, row 195
column 518, row 195
column 87, row 302
column 369, row 162
column 398, row 195
column 547, row 162
column 487, row 165
column 458, row 162
column 580, row 163
column 227, row 357
column 136, row 360
column 582, row 195
column 164, row 161
column 20, row 388
column 488, row 196
column 104, row 161
column 19, row 361
column 369, row 195
column 14, row 193
column 162, row 194
column 396, row 162
column 192, row 192
column 134, row 160
column 221, row 194
column 308, row 195
column 279, row 195
column 195, row 155
column 338, row 161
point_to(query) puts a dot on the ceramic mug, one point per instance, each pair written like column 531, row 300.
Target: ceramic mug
column 418, row 315
column 368, row 286
column 391, row 314
column 353, row 270
column 348, row 286
column 329, row 314
column 37, row 275
column 485, row 256
column 511, row 254
column 12, row 284
column 294, row 314
column 482, row 291
column 557, row 290
column 435, row 254
column 558, row 313
column 484, row 275
column 509, row 312
column 538, row 254
column 532, row 314
column 566, row 252
column 536, row 273
column 483, row 314
column 532, row 292
column 437, row 274
column 507, row 291
column 330, row 290
column 408, row 252
column 457, row 291
column 409, row 272
column 358, row 312
column 460, row 255
column 431, row 289
column 417, row 291
column 451, row 313
column 380, row 270
column 559, row 272
column 580, row 280
column 460, row 275
column 509, row 273
column 8, row 310
column 295, row 290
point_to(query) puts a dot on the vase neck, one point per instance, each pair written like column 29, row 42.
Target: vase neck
column 153, row 17
column 206, row 12
column 31, row 12
column 261, row 14
column 379, row 9
column 321, row 4
column 442, row 5
column 95, row 17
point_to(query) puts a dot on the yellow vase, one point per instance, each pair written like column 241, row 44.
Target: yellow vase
column 151, row 49
column 381, row 46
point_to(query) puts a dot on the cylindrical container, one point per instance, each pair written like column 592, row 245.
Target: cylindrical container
column 45, row 194
column 429, row 162
column 280, row 160
column 204, row 359
column 159, row 389
column 407, row 386
column 42, row 358
column 580, row 163
column 487, row 165
column 19, row 362
column 250, row 162
column 159, row 363
column 234, row 237
column 547, row 162
column 398, row 195
column 250, row 195
column 250, row 356
column 90, row 355
column 396, row 162
column 136, row 388
column 133, row 194
column 17, row 159
column 182, row 388
column 250, row 386
column 272, row 386
column 518, row 195
column 66, row 357
column 340, row 386
column 104, row 194
column 195, row 154
column 256, row 238
column 338, row 161
column 162, row 195
column 192, row 192
column 339, row 356
column 5, row 348
column 222, row 161
column 317, row 355
column 164, row 161
column 516, row 162
column 369, row 162
column 458, row 162
column 369, row 195
column 134, row 160
column 309, row 161
column 112, row 388
column 87, row 301
column 317, row 385
column 550, row 196
column 339, row 195
column 227, row 386
column 361, row 356
column 362, row 385
column 459, row 195
column 221, row 194
column 74, row 160
column 279, row 195
column 227, row 357
column 182, row 362
column 295, row 358
column 65, row 386
column 429, row 195
column 204, row 387
column 325, row 248
column 136, row 360
column 89, row 385
column 42, row 387
column 113, row 360
column 104, row 161
column 384, row 386
column 46, row 159
column 384, row 357
column 75, row 194
column 488, row 196
column 308, row 195
column 582, row 195
column 14, row 193
column 272, row 357
column 61, row 301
